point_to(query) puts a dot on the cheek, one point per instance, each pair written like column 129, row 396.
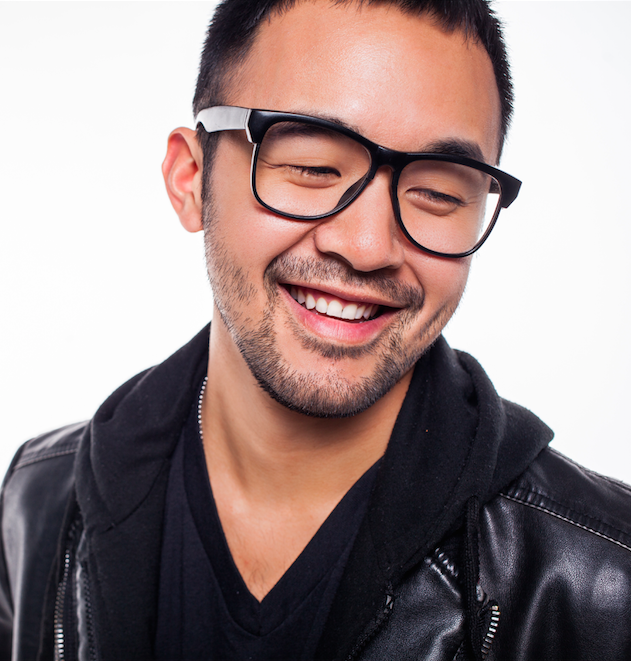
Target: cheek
column 241, row 231
column 443, row 280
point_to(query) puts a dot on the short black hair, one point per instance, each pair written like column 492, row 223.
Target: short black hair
column 235, row 24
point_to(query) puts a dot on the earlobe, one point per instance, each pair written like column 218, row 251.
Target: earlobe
column 183, row 170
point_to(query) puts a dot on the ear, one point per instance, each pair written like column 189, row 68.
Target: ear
column 183, row 170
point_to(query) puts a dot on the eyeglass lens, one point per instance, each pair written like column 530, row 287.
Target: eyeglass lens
column 305, row 170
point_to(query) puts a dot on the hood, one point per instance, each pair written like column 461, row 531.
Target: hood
column 134, row 433
column 454, row 438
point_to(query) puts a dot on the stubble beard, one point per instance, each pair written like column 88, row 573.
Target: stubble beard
column 325, row 393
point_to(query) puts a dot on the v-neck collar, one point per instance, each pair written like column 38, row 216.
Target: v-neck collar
column 314, row 564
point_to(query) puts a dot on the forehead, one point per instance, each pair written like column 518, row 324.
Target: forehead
column 396, row 77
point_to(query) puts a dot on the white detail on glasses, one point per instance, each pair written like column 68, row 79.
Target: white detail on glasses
column 224, row 118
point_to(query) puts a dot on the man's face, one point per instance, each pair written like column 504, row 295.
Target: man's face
column 403, row 83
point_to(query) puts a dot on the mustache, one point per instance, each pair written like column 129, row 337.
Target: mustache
column 291, row 267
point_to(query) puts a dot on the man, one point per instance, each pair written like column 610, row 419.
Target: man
column 370, row 495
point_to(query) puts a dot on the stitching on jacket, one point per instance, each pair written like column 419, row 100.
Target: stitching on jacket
column 42, row 456
column 567, row 520
column 521, row 486
column 530, row 496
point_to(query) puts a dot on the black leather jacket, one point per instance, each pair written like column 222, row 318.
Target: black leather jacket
column 554, row 555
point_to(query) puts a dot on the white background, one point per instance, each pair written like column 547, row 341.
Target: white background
column 99, row 281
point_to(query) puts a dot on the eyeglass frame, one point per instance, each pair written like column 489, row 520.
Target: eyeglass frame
column 257, row 122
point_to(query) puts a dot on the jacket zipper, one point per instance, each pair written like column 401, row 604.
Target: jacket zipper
column 88, row 615
column 60, row 600
column 492, row 630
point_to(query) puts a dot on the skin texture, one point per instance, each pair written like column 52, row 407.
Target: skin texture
column 275, row 472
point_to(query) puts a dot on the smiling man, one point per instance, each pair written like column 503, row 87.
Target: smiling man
column 319, row 476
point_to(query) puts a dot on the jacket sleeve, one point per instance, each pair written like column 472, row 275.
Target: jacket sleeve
column 6, row 602
column 34, row 497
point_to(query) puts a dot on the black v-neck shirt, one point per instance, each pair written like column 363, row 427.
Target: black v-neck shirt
column 205, row 610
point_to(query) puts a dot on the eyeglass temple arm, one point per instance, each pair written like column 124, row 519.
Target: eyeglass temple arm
column 224, row 118
column 510, row 191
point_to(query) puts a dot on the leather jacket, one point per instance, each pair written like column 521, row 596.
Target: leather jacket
column 553, row 580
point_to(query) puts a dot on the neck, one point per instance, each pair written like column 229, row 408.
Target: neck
column 271, row 452
column 276, row 475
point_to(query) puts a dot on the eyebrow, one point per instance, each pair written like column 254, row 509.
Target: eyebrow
column 456, row 147
column 334, row 120
column 451, row 146
column 296, row 128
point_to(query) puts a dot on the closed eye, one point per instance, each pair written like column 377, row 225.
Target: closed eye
column 433, row 201
column 311, row 171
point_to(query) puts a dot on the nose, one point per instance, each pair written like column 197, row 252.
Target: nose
column 365, row 234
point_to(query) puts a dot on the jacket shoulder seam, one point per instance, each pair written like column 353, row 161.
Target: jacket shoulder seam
column 551, row 512
column 41, row 456
column 57, row 443
column 588, row 471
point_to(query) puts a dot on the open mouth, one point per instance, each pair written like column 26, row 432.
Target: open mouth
column 332, row 306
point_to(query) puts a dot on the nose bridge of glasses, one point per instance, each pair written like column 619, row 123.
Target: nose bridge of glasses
column 358, row 187
column 384, row 156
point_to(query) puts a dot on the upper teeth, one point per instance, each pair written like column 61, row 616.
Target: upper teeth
column 333, row 307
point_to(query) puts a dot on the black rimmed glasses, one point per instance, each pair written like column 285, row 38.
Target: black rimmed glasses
column 307, row 168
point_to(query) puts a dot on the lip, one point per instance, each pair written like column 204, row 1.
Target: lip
column 334, row 329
